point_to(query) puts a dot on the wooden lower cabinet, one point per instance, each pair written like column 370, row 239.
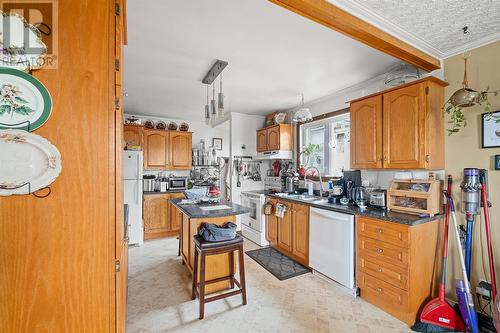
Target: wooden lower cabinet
column 290, row 234
column 396, row 265
column 160, row 217
column 300, row 232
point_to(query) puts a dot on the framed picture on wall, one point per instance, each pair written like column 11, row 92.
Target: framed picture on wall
column 217, row 143
column 490, row 130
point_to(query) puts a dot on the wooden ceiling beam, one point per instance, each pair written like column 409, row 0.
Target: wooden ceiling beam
column 331, row 16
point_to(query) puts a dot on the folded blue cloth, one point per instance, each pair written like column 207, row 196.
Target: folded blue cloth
column 215, row 233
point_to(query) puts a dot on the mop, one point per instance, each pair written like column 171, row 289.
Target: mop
column 464, row 295
column 438, row 315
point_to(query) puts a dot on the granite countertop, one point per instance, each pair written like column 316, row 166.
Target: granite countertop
column 169, row 191
column 194, row 211
column 377, row 213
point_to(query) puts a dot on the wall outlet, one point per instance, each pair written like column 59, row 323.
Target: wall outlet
column 484, row 289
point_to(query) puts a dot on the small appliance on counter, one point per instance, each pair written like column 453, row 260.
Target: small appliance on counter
column 161, row 184
column 148, row 183
column 360, row 196
column 178, row 183
column 377, row 198
column 336, row 189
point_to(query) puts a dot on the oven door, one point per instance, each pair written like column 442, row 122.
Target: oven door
column 253, row 218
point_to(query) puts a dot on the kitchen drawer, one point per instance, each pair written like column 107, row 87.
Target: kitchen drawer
column 392, row 274
column 385, row 231
column 383, row 295
column 383, row 251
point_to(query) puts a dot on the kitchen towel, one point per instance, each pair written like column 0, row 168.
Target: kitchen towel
column 280, row 210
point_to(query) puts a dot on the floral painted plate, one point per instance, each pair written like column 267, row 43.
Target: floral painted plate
column 22, row 98
column 26, row 158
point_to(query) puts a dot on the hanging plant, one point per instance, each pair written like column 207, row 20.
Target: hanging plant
column 464, row 98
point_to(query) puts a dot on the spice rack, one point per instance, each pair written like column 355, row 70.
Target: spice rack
column 415, row 196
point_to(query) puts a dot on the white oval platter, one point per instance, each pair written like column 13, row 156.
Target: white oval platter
column 26, row 158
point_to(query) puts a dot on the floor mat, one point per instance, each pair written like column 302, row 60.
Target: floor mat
column 277, row 264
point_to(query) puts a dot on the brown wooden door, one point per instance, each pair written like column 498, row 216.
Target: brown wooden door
column 156, row 215
column 261, row 140
column 300, row 231
column 403, row 130
column 366, row 133
column 285, row 229
column 181, row 148
column 132, row 135
column 156, row 150
column 272, row 226
column 273, row 138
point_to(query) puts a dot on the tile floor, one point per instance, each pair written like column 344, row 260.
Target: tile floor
column 160, row 300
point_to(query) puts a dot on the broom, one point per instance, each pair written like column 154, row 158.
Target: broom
column 438, row 315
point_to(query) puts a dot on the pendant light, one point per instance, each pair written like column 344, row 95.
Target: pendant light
column 302, row 115
column 213, row 104
column 221, row 99
column 207, row 110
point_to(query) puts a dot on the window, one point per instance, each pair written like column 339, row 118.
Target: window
column 332, row 135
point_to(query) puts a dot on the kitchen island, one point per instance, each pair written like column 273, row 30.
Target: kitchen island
column 191, row 217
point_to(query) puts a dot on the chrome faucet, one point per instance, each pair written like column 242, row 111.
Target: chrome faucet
column 320, row 180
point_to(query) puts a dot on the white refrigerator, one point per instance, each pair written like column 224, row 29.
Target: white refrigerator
column 132, row 194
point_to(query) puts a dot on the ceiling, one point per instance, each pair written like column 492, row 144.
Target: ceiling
column 434, row 26
column 273, row 56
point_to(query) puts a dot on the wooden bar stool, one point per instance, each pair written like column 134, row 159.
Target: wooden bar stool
column 204, row 249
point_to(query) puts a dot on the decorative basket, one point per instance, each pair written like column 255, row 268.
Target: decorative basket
column 184, row 127
column 279, row 118
column 172, row 126
column 149, row 124
column 161, row 125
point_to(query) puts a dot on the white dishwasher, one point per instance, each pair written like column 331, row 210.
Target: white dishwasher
column 331, row 245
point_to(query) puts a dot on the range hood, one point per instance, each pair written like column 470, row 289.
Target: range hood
column 275, row 155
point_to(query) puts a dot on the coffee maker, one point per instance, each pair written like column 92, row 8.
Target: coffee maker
column 352, row 179
column 336, row 188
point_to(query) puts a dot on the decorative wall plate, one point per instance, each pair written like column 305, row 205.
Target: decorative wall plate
column 26, row 158
column 22, row 98
column 22, row 49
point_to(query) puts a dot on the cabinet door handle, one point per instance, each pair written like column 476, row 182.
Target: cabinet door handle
column 380, row 230
column 385, row 158
column 379, row 290
column 427, row 158
column 380, row 270
column 380, row 250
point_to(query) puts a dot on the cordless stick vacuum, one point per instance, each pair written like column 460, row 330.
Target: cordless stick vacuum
column 464, row 295
column 471, row 190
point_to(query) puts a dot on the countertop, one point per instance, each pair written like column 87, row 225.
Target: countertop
column 169, row 191
column 195, row 212
column 377, row 213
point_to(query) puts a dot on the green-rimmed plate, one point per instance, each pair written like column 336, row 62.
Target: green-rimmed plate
column 23, row 99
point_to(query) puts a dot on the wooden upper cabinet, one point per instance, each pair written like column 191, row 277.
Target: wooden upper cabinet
column 132, row 135
column 276, row 137
column 156, row 150
column 366, row 133
column 285, row 229
column 181, row 147
column 273, row 138
column 403, row 133
column 300, row 232
column 262, row 140
column 412, row 132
